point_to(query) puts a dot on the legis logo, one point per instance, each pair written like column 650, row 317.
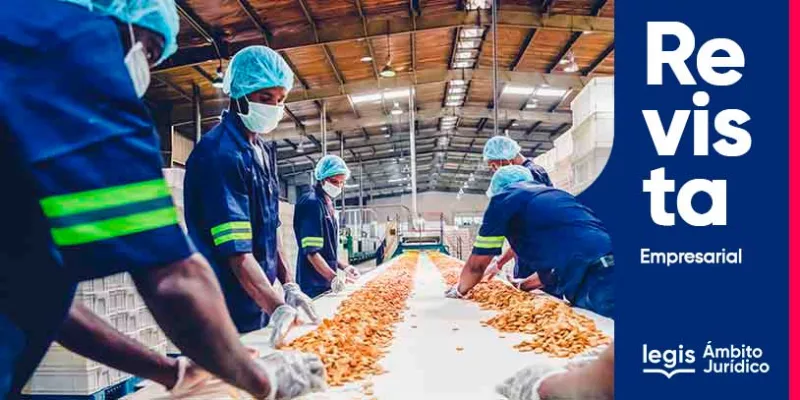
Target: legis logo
column 668, row 362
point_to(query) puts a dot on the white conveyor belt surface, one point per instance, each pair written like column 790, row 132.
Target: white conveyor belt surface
column 424, row 360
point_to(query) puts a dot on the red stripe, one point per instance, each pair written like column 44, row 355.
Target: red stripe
column 794, row 199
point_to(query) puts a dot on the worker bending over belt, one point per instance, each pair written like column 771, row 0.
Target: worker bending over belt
column 550, row 229
column 231, row 190
column 498, row 152
column 316, row 230
column 78, row 148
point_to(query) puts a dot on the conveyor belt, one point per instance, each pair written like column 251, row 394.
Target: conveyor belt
column 424, row 361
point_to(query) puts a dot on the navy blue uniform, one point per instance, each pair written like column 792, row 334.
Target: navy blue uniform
column 316, row 231
column 539, row 173
column 80, row 162
column 552, row 231
column 231, row 205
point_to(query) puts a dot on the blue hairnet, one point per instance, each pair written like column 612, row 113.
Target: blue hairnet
column 500, row 148
column 329, row 166
column 159, row 16
column 507, row 176
column 255, row 68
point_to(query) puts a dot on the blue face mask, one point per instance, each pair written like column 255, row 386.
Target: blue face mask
column 261, row 118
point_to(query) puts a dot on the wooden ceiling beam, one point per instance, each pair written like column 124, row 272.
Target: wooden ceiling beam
column 348, row 32
column 596, row 8
column 174, row 87
column 367, row 41
column 598, row 61
column 526, row 44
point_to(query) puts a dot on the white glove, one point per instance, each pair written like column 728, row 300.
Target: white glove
column 190, row 377
column 292, row 373
column 453, row 293
column 300, row 301
column 524, row 385
column 352, row 273
column 337, row 284
column 280, row 321
column 491, row 270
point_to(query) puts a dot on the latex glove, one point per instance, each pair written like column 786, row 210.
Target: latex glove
column 453, row 293
column 190, row 377
column 491, row 270
column 300, row 301
column 292, row 373
column 337, row 284
column 524, row 385
column 280, row 321
column 352, row 273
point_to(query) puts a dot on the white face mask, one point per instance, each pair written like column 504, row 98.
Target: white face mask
column 261, row 118
column 331, row 189
column 138, row 67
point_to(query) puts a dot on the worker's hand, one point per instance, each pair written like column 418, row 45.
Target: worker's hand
column 190, row 377
column 524, row 385
column 292, row 373
column 516, row 282
column 453, row 293
column 492, row 270
column 281, row 320
column 300, row 301
column 352, row 273
column 337, row 284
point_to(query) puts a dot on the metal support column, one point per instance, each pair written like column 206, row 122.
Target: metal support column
column 494, row 68
column 323, row 126
column 360, row 205
column 198, row 113
column 411, row 124
column 344, row 195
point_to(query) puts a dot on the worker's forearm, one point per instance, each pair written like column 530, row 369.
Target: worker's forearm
column 186, row 301
column 472, row 273
column 252, row 278
column 321, row 266
column 506, row 257
column 531, row 283
column 86, row 334
column 284, row 273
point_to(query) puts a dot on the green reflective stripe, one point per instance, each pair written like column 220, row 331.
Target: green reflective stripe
column 489, row 242
column 91, row 200
column 229, row 226
column 312, row 241
column 232, row 236
column 114, row 227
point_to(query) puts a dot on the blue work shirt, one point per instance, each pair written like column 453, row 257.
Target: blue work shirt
column 316, row 231
column 539, row 173
column 231, row 206
column 80, row 160
column 549, row 229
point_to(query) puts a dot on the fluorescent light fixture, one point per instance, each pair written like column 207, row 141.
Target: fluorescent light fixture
column 524, row 90
column 468, row 44
column 452, row 103
column 462, row 64
column 387, row 135
column 396, row 180
column 366, row 59
column 384, row 128
column 532, row 105
column 457, row 90
column 350, row 186
column 457, row 82
column 471, row 32
column 386, row 151
column 457, row 97
column 450, row 118
column 465, row 55
column 550, row 92
column 387, row 95
column 363, row 98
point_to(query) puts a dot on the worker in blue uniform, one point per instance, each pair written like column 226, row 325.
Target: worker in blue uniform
column 500, row 151
column 231, row 197
column 550, row 229
column 317, row 231
column 86, row 197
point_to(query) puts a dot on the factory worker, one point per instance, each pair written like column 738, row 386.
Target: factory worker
column 231, row 197
column 500, row 151
column 316, row 231
column 551, row 230
column 589, row 379
column 86, row 196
